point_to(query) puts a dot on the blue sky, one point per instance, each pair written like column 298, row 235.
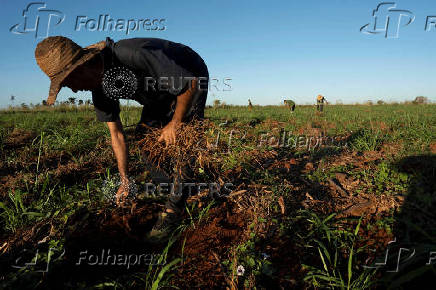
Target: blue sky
column 269, row 49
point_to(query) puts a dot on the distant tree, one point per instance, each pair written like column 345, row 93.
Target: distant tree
column 44, row 102
column 24, row 106
column 380, row 102
column 369, row 103
column 88, row 102
column 420, row 100
column 80, row 102
column 71, row 100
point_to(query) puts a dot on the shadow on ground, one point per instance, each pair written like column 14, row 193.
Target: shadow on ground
column 411, row 256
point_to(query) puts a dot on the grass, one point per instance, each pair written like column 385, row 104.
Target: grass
column 56, row 160
column 336, row 248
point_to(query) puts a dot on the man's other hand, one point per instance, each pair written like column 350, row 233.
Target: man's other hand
column 169, row 133
column 123, row 192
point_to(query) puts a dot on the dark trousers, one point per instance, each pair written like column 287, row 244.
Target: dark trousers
column 320, row 106
column 176, row 184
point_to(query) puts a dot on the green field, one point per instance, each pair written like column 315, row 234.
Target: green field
column 316, row 197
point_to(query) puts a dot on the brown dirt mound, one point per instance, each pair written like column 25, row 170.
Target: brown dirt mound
column 87, row 228
column 208, row 244
column 18, row 138
column 111, row 226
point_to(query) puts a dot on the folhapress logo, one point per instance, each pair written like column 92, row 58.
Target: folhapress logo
column 388, row 20
column 38, row 20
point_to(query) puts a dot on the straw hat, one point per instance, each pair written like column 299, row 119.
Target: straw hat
column 58, row 56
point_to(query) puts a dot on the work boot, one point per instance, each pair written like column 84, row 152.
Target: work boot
column 165, row 226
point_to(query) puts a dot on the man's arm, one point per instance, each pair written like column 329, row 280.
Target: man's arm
column 184, row 101
column 121, row 154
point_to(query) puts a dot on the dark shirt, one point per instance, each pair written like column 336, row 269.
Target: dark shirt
column 151, row 58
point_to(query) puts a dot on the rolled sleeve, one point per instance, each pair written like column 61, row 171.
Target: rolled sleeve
column 107, row 110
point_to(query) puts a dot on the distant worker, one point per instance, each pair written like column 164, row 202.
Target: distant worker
column 320, row 103
column 250, row 105
column 290, row 104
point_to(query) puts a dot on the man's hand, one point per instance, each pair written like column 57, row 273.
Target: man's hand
column 122, row 193
column 169, row 133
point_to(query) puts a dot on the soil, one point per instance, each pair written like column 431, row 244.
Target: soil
column 211, row 242
column 208, row 245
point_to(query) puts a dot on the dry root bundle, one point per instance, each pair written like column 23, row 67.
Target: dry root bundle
column 191, row 150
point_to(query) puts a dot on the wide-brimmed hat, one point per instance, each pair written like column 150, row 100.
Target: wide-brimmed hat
column 58, row 56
